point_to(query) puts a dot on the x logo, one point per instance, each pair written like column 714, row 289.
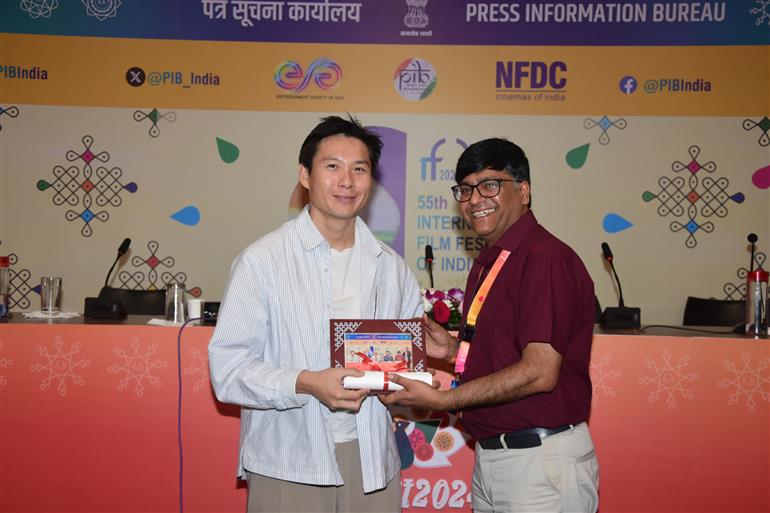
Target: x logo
column 135, row 76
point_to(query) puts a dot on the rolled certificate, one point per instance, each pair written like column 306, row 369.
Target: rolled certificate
column 378, row 380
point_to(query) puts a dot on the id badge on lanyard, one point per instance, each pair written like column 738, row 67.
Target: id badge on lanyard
column 469, row 330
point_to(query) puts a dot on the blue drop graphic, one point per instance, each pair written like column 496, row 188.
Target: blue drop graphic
column 613, row 223
column 189, row 216
column 738, row 198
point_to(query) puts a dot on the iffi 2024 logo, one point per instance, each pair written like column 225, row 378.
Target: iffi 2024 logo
column 290, row 76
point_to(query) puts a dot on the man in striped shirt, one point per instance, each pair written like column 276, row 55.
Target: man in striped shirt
column 307, row 444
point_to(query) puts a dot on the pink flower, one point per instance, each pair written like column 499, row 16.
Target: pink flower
column 456, row 295
column 434, row 295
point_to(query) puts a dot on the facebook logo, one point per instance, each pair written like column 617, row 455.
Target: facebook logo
column 627, row 84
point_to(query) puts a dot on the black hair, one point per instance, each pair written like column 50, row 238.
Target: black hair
column 335, row 125
column 496, row 154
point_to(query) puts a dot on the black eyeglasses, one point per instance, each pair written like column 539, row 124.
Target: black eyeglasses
column 488, row 188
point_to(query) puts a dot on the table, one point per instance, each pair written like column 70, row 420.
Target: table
column 88, row 422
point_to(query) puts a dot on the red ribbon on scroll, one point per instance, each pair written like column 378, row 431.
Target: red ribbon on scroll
column 369, row 364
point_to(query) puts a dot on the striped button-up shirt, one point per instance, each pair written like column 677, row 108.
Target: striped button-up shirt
column 274, row 323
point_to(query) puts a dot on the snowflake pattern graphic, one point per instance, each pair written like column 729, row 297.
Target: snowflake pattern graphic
column 747, row 381
column 605, row 124
column 61, row 366
column 39, row 8
column 199, row 369
column 762, row 11
column 600, row 375
column 669, row 380
column 101, row 9
column 5, row 362
column 138, row 280
column 104, row 186
column 738, row 290
column 137, row 366
column 682, row 201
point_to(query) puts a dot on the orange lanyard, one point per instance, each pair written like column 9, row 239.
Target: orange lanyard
column 469, row 330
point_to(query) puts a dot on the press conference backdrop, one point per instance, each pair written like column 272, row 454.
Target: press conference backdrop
column 178, row 124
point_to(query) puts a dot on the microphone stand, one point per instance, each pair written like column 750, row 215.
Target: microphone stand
column 107, row 279
column 621, row 316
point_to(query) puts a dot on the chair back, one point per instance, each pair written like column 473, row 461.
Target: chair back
column 138, row 302
column 700, row 311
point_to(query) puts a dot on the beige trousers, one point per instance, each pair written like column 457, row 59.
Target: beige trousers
column 562, row 475
column 268, row 495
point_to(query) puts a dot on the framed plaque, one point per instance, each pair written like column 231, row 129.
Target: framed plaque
column 383, row 345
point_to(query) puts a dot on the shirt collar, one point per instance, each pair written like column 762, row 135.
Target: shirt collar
column 510, row 240
column 311, row 238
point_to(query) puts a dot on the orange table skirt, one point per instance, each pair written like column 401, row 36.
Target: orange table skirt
column 88, row 422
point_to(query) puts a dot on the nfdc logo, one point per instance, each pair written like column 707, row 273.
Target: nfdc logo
column 531, row 75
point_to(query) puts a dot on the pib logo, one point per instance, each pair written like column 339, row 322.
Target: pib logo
column 415, row 79
column 324, row 72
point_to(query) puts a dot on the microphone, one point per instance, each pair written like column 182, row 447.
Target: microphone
column 619, row 316
column 608, row 257
column 607, row 252
column 122, row 249
column 752, row 240
column 429, row 262
column 104, row 307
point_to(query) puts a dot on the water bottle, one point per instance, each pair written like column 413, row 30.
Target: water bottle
column 175, row 299
column 5, row 286
column 756, row 293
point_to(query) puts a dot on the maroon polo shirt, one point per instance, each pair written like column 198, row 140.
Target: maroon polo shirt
column 542, row 294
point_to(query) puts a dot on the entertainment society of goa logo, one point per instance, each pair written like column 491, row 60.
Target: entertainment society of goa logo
column 415, row 79
column 324, row 72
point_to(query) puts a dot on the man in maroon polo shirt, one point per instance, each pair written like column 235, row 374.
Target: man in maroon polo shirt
column 524, row 349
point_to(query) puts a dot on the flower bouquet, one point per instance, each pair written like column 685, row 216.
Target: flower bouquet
column 444, row 307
